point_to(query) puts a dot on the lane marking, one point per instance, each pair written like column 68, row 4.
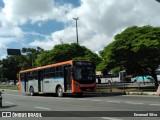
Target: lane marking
column 9, row 103
column 96, row 100
column 42, row 108
column 108, row 118
column 133, row 103
column 155, row 104
column 82, row 99
column 114, row 101
column 65, row 98
column 17, row 95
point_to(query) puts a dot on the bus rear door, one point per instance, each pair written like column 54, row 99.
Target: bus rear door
column 26, row 77
column 67, row 78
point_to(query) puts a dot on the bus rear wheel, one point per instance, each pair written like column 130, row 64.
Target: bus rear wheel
column 31, row 90
column 59, row 92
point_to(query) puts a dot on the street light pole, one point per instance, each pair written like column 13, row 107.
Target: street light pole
column 76, row 27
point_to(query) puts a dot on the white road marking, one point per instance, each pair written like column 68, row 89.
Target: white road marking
column 134, row 103
column 42, row 108
column 65, row 98
column 108, row 118
column 17, row 95
column 114, row 101
column 155, row 104
column 96, row 100
column 82, row 99
column 9, row 103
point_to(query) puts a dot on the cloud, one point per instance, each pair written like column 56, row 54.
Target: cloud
column 18, row 12
column 2, row 51
column 99, row 20
column 14, row 34
column 107, row 16
column 45, row 44
column 18, row 32
column 2, row 47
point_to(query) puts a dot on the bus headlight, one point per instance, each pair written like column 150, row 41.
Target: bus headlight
column 76, row 85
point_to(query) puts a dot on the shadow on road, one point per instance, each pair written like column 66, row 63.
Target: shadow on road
column 85, row 95
column 8, row 106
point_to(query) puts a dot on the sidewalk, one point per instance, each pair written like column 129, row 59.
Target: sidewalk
column 142, row 93
column 124, row 93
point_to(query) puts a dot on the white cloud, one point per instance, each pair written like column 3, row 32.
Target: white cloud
column 45, row 44
column 18, row 32
column 18, row 12
column 99, row 20
column 8, row 36
column 2, row 47
column 2, row 51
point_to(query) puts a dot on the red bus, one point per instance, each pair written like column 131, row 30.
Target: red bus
column 64, row 77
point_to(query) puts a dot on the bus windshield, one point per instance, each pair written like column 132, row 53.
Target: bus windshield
column 84, row 73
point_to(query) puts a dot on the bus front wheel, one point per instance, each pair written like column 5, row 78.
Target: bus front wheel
column 79, row 94
column 59, row 91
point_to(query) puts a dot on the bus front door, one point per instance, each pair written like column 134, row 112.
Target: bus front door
column 40, row 81
column 67, row 79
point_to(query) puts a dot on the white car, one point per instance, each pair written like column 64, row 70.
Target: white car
column 11, row 83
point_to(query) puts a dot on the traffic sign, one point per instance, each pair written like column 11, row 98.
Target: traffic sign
column 13, row 51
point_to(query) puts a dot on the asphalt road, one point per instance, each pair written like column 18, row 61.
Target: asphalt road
column 13, row 101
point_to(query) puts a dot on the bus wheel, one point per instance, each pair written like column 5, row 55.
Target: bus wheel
column 31, row 90
column 79, row 94
column 59, row 91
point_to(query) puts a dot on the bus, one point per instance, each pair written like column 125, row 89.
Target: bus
column 64, row 77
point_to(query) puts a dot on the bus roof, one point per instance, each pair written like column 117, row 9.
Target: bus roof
column 47, row 66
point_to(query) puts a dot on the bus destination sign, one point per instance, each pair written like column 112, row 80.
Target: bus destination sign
column 83, row 63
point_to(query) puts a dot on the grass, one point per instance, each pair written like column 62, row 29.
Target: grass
column 10, row 87
column 110, row 90
column 114, row 89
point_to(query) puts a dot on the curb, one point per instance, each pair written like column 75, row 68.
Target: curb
column 143, row 93
column 106, row 93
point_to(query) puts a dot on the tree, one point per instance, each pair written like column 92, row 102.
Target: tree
column 29, row 56
column 136, row 49
column 10, row 67
column 64, row 52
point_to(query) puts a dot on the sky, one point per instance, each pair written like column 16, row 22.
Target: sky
column 46, row 23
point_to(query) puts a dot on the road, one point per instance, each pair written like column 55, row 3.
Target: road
column 13, row 101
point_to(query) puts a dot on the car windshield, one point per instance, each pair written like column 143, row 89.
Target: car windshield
column 84, row 73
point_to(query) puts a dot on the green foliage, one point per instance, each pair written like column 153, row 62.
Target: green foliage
column 65, row 52
column 29, row 56
column 116, row 70
column 136, row 49
column 10, row 66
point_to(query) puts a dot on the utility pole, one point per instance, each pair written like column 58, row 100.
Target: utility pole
column 76, row 27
